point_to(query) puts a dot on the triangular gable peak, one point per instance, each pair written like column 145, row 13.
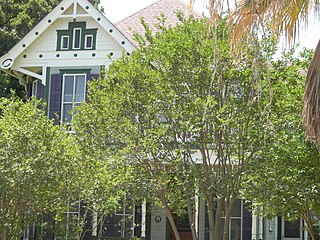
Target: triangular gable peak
column 73, row 34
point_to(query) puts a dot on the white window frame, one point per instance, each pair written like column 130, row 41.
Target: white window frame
column 124, row 215
column 61, row 44
column 73, row 102
column 86, row 41
column 68, row 215
column 301, row 232
column 74, row 38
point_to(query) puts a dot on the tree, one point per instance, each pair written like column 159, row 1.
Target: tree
column 181, row 95
column 281, row 17
column 36, row 159
column 284, row 180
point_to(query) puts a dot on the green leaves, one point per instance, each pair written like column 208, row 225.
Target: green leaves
column 36, row 162
column 180, row 99
column 284, row 178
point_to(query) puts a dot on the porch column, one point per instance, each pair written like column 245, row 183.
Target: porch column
column 254, row 226
column 260, row 228
column 143, row 220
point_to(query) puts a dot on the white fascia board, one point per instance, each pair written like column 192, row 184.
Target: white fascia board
column 101, row 19
column 34, row 34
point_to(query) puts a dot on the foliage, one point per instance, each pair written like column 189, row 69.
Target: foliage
column 179, row 100
column 36, row 162
column 284, row 179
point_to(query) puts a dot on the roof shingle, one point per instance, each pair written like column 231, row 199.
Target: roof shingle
column 132, row 24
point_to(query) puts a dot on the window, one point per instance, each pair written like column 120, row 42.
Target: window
column 120, row 224
column 88, row 43
column 73, row 93
column 235, row 225
column 292, row 230
column 124, row 220
column 76, row 38
column 64, row 42
column 68, row 226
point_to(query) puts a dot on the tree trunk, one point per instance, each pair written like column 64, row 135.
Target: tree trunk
column 169, row 214
column 307, row 218
column 211, row 219
column 172, row 223
column 217, row 225
column 191, row 217
column 228, row 207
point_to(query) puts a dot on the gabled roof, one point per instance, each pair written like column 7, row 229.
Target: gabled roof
column 131, row 24
column 67, row 9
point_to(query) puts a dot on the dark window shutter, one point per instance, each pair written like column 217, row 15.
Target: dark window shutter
column 55, row 97
column 90, row 77
column 138, row 221
column 40, row 90
column 247, row 223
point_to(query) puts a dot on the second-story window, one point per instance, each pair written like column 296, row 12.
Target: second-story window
column 73, row 93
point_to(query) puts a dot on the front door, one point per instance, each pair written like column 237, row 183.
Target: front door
column 292, row 230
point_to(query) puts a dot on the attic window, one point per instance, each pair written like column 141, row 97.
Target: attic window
column 88, row 42
column 76, row 37
column 64, row 42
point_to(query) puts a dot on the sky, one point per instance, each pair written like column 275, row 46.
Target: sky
column 116, row 10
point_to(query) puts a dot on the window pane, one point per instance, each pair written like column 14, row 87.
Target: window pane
column 68, row 88
column 292, row 229
column 236, row 208
column 65, row 42
column 76, row 38
column 66, row 117
column 80, row 87
column 235, row 229
column 89, row 40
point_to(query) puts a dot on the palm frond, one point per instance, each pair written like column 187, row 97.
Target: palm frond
column 281, row 16
column 311, row 100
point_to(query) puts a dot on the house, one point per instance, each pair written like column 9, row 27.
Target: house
column 55, row 60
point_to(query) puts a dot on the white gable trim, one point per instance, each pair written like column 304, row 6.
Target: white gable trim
column 34, row 33
column 7, row 62
column 107, row 25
